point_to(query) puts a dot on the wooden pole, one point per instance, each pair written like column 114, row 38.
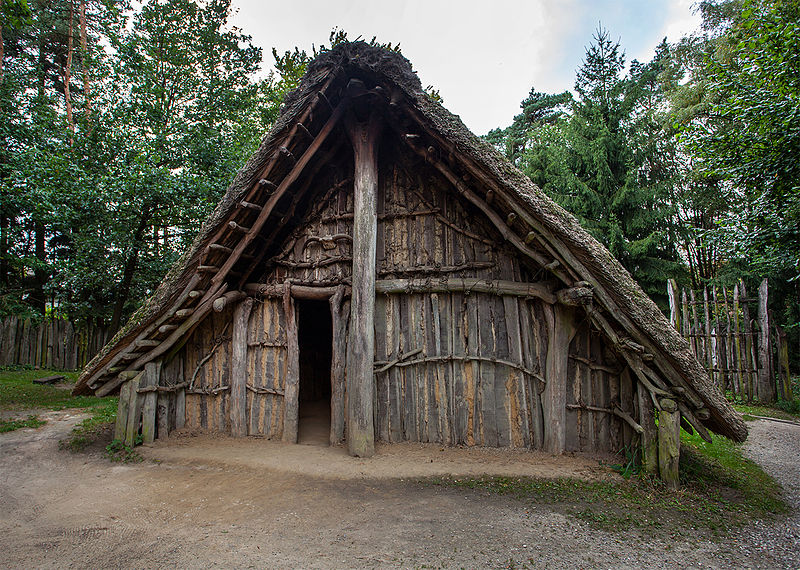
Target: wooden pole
column 339, row 315
column 291, row 392
column 766, row 385
column 123, row 408
column 740, row 356
column 750, row 358
column 708, row 342
column 361, row 342
column 134, row 410
column 152, row 374
column 647, row 420
column 238, row 398
column 669, row 442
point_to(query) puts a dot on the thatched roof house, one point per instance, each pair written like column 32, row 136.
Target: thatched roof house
column 375, row 252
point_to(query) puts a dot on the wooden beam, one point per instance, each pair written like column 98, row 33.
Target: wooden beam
column 297, row 291
column 466, row 284
column 238, row 397
column 361, row 343
column 134, row 411
column 227, row 299
column 250, row 206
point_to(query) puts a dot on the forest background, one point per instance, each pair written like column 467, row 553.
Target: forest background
column 121, row 127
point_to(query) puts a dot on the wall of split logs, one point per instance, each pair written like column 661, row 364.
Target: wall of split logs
column 452, row 366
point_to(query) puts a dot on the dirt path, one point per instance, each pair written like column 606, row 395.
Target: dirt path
column 205, row 502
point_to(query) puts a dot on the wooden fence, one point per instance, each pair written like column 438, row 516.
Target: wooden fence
column 733, row 336
column 51, row 343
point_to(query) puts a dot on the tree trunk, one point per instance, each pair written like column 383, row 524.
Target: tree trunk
column 85, row 62
column 68, row 75
column 131, row 263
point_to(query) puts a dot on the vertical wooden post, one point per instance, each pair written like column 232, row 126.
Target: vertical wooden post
column 669, row 442
column 766, row 385
column 560, row 327
column 709, row 344
column 783, row 358
column 339, row 315
column 729, row 355
column 686, row 325
column 740, row 356
column 361, row 342
column 647, row 420
column 162, row 415
column 123, row 408
column 238, row 401
column 152, row 374
column 134, row 411
column 674, row 310
column 749, row 359
column 719, row 343
column 697, row 346
column 291, row 392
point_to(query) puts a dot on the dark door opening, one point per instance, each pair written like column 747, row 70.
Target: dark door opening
column 315, row 344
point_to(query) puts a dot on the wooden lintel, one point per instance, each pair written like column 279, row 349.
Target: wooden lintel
column 297, row 291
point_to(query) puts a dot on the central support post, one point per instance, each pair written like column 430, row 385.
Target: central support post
column 360, row 383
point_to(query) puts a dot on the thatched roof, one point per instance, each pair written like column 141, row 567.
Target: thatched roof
column 629, row 319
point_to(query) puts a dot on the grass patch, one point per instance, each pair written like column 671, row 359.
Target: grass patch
column 31, row 421
column 783, row 411
column 720, row 490
column 19, row 393
column 117, row 451
column 92, row 429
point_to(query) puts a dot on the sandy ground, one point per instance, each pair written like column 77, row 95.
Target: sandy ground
column 200, row 502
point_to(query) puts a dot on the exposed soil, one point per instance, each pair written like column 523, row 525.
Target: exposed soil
column 201, row 501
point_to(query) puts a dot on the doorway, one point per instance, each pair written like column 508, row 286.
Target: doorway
column 315, row 347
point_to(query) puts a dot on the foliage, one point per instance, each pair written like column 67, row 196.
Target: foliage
column 602, row 156
column 119, row 451
column 32, row 421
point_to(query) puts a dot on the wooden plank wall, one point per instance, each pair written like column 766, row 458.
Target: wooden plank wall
column 596, row 379
column 449, row 390
column 266, row 366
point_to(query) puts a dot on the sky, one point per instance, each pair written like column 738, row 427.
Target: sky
column 483, row 56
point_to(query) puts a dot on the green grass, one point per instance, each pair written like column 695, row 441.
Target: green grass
column 19, row 394
column 786, row 411
column 93, row 428
column 720, row 490
column 30, row 422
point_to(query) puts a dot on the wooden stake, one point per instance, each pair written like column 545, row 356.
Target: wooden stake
column 649, row 438
column 134, row 411
column 340, row 314
column 361, row 343
column 238, row 397
column 123, row 408
column 766, row 385
column 669, row 442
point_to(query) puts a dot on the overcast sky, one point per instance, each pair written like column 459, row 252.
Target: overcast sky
column 482, row 56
